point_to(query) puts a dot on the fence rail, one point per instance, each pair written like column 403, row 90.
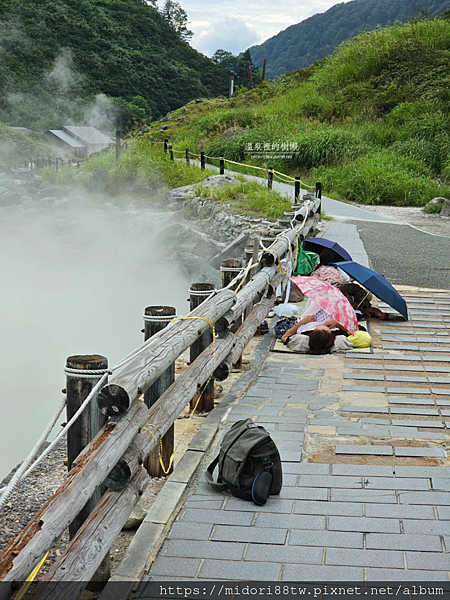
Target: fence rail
column 116, row 455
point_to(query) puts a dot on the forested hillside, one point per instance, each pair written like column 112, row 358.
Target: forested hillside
column 303, row 44
column 56, row 56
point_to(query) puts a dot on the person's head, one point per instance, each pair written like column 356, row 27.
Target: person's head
column 321, row 340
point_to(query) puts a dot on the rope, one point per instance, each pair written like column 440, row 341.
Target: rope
column 172, row 456
column 277, row 177
column 158, row 318
column 231, row 269
column 284, row 175
column 205, row 293
column 244, row 165
column 86, row 373
column 31, row 578
column 19, row 474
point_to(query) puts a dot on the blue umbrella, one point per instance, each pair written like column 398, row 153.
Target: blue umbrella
column 318, row 244
column 376, row 283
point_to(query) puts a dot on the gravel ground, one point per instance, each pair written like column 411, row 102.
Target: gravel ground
column 431, row 223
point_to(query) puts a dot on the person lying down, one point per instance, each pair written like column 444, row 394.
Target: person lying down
column 317, row 333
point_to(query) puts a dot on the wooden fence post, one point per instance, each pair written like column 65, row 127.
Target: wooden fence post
column 264, row 70
column 84, row 429
column 202, row 160
column 166, row 143
column 155, row 319
column 222, row 165
column 118, row 135
column 270, row 178
column 297, row 190
column 187, row 156
column 198, row 292
column 170, row 152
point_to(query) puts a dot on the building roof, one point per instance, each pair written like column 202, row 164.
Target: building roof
column 88, row 135
column 65, row 137
column 21, row 129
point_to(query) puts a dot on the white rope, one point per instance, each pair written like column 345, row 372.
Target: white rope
column 205, row 293
column 19, row 474
column 158, row 318
column 231, row 269
column 86, row 373
column 70, row 423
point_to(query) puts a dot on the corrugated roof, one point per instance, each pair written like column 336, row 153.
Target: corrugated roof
column 65, row 137
column 89, row 135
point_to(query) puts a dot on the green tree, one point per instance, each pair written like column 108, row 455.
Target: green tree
column 177, row 18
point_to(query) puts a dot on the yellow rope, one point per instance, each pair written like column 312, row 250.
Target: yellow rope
column 284, row 175
column 31, row 578
column 244, row 165
column 165, row 469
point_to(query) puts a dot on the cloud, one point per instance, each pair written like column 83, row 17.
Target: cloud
column 230, row 33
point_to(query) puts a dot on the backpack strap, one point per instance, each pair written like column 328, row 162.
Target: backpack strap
column 209, row 476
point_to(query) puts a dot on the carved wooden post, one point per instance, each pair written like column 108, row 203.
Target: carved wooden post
column 198, row 293
column 84, row 429
column 157, row 318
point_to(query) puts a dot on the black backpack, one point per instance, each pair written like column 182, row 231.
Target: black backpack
column 249, row 463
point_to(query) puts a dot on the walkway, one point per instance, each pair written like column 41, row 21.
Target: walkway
column 363, row 440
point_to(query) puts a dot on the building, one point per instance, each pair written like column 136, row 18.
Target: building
column 80, row 142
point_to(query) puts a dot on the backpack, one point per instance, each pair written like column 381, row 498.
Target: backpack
column 249, row 463
column 283, row 325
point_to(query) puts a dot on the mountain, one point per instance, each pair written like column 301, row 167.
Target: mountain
column 300, row 45
column 56, row 56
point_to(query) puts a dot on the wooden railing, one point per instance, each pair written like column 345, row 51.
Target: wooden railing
column 116, row 455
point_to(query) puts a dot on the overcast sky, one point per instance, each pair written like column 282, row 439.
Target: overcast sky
column 234, row 25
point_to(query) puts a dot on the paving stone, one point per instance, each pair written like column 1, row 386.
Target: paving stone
column 437, row 369
column 406, row 379
column 436, row 359
column 287, row 436
column 404, row 368
column 350, row 509
column 437, row 452
column 243, row 571
column 427, row 435
column 385, row 483
column 286, row 447
column 196, row 549
column 284, row 554
column 366, row 376
column 444, row 514
column 201, row 503
column 375, row 496
column 375, row 421
column 256, row 535
column 365, row 409
column 404, row 357
column 417, row 423
column 431, row 498
column 378, row 575
column 365, row 558
column 217, row 517
column 326, row 539
column 404, row 471
column 299, row 493
column 274, row 504
column 283, row 426
column 363, row 388
column 365, row 366
column 423, row 527
column 428, row 561
column 376, row 431
column 363, row 524
column 307, row 468
column 412, row 401
column 322, row 573
column 331, row 481
column 183, row 567
column 400, row 347
column 190, row 531
column 364, row 450
column 296, row 521
column 363, row 470
column 439, row 483
column 440, row 392
column 439, row 380
column 429, row 412
column 398, row 511
column 411, row 390
column 445, row 413
column 287, row 456
column 402, row 541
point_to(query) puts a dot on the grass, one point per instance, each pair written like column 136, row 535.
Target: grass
column 372, row 122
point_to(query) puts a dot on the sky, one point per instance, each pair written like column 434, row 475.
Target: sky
column 234, row 25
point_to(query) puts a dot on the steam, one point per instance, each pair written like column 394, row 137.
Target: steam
column 76, row 276
column 63, row 75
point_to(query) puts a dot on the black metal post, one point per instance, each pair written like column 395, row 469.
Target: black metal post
column 170, row 152
column 319, row 190
column 270, row 178
column 222, row 165
column 297, row 189
column 166, row 143
column 187, row 156
column 202, row 160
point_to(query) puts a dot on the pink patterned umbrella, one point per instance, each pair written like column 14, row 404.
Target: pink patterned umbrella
column 330, row 299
